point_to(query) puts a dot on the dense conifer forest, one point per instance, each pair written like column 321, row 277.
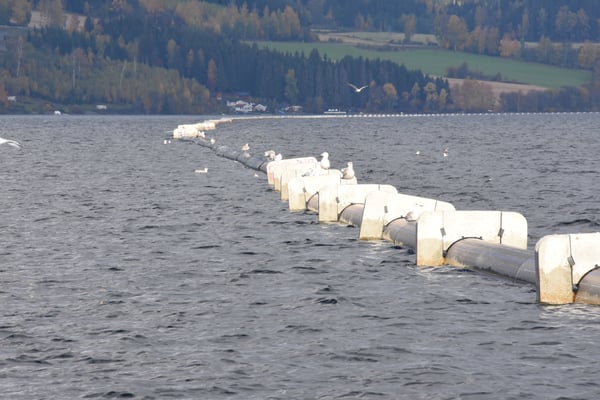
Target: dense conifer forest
column 187, row 56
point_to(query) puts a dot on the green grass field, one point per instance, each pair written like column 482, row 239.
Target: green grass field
column 434, row 61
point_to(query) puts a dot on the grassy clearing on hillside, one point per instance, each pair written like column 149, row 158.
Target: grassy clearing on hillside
column 378, row 38
column 435, row 62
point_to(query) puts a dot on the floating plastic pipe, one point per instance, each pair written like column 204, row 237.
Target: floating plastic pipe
column 402, row 233
column 589, row 288
column 312, row 204
column 352, row 215
column 507, row 261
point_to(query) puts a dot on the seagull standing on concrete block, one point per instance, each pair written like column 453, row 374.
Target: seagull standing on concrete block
column 324, row 163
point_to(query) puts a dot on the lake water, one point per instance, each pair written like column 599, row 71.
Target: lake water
column 124, row 274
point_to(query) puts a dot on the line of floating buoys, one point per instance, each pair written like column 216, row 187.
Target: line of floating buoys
column 564, row 268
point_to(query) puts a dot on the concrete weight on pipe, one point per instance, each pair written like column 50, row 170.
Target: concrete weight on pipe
column 437, row 231
column 562, row 264
column 334, row 198
column 383, row 207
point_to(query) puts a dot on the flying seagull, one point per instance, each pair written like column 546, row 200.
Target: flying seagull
column 10, row 142
column 357, row 89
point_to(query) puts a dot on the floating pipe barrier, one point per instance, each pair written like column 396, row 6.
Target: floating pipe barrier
column 564, row 268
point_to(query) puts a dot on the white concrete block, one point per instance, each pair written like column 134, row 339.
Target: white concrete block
column 302, row 188
column 561, row 262
column 436, row 231
column 334, row 198
column 275, row 169
column 307, row 169
column 381, row 208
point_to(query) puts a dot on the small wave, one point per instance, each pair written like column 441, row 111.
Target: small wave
column 94, row 360
column 325, row 290
column 327, row 300
column 579, row 221
column 25, row 359
column 264, row 271
column 356, row 356
column 112, row 394
column 208, row 246
column 470, row 301
column 355, row 394
column 301, row 329
column 374, row 317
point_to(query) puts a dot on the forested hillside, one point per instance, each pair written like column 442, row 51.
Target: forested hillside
column 187, row 56
column 559, row 20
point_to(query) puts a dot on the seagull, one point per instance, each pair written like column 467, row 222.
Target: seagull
column 270, row 154
column 348, row 172
column 357, row 89
column 418, row 152
column 246, row 148
column 201, row 171
column 324, row 163
column 414, row 214
column 213, row 140
column 446, row 152
column 10, row 142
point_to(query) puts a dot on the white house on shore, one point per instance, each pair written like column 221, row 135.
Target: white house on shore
column 245, row 107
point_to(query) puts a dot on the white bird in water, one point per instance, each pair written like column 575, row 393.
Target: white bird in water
column 357, row 89
column 418, row 152
column 446, row 152
column 201, row 171
column 324, row 163
column 348, row 172
column 10, row 142
column 246, row 148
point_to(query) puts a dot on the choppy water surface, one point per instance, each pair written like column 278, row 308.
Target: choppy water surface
column 124, row 274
